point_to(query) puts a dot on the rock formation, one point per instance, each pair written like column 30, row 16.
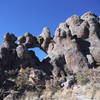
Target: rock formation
column 74, row 50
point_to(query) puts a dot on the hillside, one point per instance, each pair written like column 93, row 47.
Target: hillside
column 71, row 71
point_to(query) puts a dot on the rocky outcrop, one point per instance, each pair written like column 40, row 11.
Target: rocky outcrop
column 74, row 49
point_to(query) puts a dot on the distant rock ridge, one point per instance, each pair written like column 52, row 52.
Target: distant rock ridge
column 74, row 48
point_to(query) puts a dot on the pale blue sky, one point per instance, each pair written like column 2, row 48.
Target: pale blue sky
column 20, row 16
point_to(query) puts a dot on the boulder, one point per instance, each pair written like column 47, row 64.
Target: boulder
column 45, row 36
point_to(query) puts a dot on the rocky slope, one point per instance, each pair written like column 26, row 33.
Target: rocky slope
column 70, row 71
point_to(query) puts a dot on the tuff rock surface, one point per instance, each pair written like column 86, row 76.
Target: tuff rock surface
column 70, row 71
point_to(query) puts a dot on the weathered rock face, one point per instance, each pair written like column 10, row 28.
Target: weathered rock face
column 75, row 48
column 7, row 51
column 66, row 51
column 94, row 34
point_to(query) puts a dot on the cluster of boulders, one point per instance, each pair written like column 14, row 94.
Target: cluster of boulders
column 74, row 48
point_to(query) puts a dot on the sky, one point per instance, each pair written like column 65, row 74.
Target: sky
column 20, row 16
